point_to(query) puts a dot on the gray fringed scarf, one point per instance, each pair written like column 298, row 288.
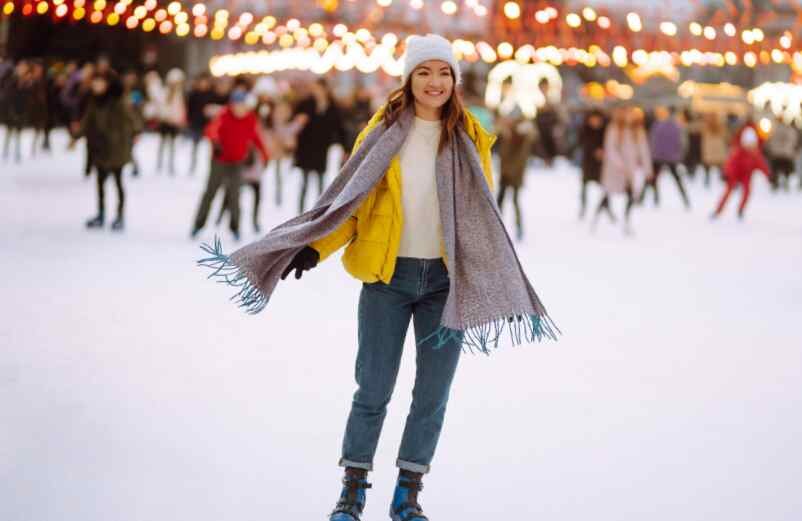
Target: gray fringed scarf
column 489, row 291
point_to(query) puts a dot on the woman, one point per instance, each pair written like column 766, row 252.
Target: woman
column 517, row 136
column 323, row 128
column 714, row 144
column 406, row 246
column 626, row 160
column 109, row 127
column 592, row 142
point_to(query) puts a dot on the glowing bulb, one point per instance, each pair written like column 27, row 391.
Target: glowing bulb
column 198, row 10
column 604, row 22
column 339, row 30
column 634, row 22
column 589, row 14
column 729, row 29
column 505, row 50
column 710, row 33
column 416, row 4
column 573, row 20
column 747, row 37
column 542, row 17
column 695, row 28
column 512, row 10
column 174, row 8
column 668, row 28
column 448, row 7
column 384, row 3
column 200, row 31
column 316, row 30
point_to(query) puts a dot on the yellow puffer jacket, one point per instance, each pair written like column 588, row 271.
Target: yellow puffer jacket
column 373, row 232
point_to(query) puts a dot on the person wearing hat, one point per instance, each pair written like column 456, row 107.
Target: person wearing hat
column 414, row 203
column 744, row 159
column 233, row 132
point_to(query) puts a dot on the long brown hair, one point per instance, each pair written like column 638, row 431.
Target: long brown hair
column 452, row 114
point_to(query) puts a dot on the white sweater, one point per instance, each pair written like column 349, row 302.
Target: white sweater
column 420, row 236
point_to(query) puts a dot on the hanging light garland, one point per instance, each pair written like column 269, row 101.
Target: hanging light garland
column 338, row 44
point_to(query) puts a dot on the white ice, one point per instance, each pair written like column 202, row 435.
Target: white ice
column 131, row 389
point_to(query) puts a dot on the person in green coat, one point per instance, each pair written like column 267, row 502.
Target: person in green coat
column 109, row 127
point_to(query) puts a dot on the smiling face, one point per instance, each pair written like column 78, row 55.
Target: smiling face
column 432, row 85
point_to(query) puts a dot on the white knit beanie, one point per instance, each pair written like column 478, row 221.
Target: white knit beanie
column 429, row 47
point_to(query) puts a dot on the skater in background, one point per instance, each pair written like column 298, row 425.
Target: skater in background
column 232, row 133
column 715, row 137
column 37, row 110
column 627, row 161
column 591, row 140
column 516, row 136
column 172, row 117
column 693, row 130
column 134, row 98
column 782, row 149
column 16, row 93
column 666, row 149
column 109, row 128
column 323, row 128
column 548, row 121
column 282, row 134
column 199, row 99
column 744, row 159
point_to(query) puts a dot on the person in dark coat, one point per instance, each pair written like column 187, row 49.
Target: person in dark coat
column 36, row 109
column 591, row 139
column 693, row 155
column 517, row 134
column 324, row 127
column 16, row 94
column 199, row 98
column 109, row 128
column 547, row 121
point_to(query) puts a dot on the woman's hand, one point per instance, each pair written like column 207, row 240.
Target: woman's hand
column 304, row 260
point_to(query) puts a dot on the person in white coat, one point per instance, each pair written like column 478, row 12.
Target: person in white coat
column 627, row 161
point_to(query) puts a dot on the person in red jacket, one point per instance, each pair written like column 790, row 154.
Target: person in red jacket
column 744, row 159
column 232, row 133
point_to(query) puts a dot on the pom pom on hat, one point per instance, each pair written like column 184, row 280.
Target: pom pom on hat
column 429, row 47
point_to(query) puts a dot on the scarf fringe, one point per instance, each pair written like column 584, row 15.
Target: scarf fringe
column 249, row 297
column 486, row 336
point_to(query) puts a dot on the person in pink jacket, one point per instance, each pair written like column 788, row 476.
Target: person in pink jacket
column 627, row 161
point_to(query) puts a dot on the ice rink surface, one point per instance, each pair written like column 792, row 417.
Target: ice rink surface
column 131, row 389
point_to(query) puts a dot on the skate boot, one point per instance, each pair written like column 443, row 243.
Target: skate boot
column 405, row 505
column 352, row 498
column 95, row 222
column 118, row 224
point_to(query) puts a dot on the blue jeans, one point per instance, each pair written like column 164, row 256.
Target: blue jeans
column 417, row 291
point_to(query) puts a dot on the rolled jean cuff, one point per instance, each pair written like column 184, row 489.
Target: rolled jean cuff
column 353, row 464
column 412, row 467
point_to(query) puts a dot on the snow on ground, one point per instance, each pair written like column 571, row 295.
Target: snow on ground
column 132, row 389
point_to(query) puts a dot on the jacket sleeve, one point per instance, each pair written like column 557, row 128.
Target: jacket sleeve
column 212, row 130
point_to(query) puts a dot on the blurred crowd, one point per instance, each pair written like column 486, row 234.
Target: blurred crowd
column 292, row 122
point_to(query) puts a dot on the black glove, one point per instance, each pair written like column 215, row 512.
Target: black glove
column 304, row 260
